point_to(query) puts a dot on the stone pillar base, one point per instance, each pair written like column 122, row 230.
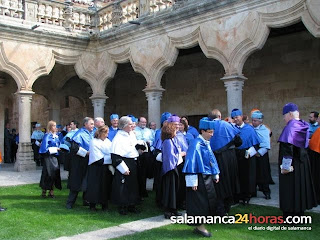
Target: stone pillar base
column 25, row 161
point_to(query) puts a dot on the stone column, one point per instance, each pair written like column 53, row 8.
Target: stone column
column 98, row 103
column 234, row 85
column 144, row 7
column 25, row 154
column 154, row 97
column 54, row 114
column 2, row 124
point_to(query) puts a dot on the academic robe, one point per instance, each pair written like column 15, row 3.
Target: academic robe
column 78, row 167
column 112, row 133
column 263, row 165
column 157, row 145
column 125, row 188
column 247, row 166
column 50, row 175
column 99, row 175
column 193, row 131
column 296, row 188
column 314, row 156
column 202, row 166
column 170, row 176
column 223, row 142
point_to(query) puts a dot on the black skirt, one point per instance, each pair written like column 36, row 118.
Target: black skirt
column 315, row 171
column 228, row 185
column 99, row 183
column 203, row 201
column 296, row 189
column 125, row 189
column 247, row 173
column 263, row 170
column 50, row 176
column 170, row 188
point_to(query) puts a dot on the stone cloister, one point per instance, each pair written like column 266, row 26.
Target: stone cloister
column 143, row 57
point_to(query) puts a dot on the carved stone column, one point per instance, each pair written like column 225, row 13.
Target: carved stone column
column 144, row 7
column 68, row 15
column 31, row 7
column 154, row 98
column 2, row 123
column 234, row 85
column 25, row 160
column 98, row 103
column 116, row 14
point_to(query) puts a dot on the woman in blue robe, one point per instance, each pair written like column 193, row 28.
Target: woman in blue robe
column 171, row 158
column 202, row 172
column 50, row 176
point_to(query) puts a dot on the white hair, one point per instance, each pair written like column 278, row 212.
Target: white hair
column 296, row 114
column 98, row 119
column 124, row 121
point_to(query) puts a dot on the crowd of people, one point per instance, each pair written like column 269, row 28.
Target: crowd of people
column 204, row 171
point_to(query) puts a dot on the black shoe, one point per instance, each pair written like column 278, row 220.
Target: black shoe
column 68, row 206
column 133, row 210
column 123, row 211
column 202, row 233
column 2, row 209
column 267, row 195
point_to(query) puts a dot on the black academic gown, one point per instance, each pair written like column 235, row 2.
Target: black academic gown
column 263, row 170
column 247, row 175
column 296, row 189
column 315, row 171
column 78, row 170
column 99, row 183
column 50, row 176
column 228, row 186
column 203, row 201
column 125, row 188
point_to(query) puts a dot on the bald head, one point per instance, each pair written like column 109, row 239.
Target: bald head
column 215, row 113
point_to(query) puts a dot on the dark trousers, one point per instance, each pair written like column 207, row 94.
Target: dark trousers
column 73, row 197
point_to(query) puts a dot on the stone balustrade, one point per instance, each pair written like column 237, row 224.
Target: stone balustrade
column 76, row 15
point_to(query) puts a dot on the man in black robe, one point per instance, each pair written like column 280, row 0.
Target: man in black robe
column 79, row 161
column 295, row 181
column 225, row 139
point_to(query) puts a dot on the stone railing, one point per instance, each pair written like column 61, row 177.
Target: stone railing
column 83, row 15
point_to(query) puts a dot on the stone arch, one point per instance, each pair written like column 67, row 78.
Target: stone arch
column 264, row 20
column 195, row 36
column 12, row 69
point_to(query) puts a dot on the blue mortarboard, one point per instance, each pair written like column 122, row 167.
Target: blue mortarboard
column 133, row 118
column 206, row 123
column 236, row 112
column 173, row 118
column 114, row 116
column 59, row 126
column 65, row 147
column 289, row 107
column 38, row 125
column 165, row 116
column 257, row 114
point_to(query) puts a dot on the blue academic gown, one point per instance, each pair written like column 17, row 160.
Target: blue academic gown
column 247, row 166
column 201, row 163
column 112, row 133
column 193, row 131
column 50, row 175
column 223, row 134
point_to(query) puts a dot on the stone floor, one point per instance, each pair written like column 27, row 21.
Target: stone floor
column 9, row 177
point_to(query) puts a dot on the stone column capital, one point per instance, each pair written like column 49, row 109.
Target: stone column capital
column 234, row 82
column 98, row 97
column 25, row 93
column 98, row 103
column 153, row 93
